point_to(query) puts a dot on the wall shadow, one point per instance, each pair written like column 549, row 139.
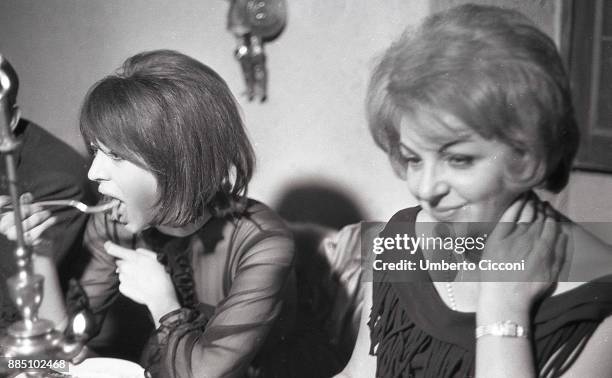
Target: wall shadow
column 326, row 300
column 318, row 203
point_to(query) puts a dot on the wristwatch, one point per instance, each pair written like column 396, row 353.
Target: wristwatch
column 506, row 328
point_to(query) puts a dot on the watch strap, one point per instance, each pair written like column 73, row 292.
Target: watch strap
column 506, row 328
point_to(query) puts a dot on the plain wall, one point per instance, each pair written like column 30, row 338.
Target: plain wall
column 312, row 130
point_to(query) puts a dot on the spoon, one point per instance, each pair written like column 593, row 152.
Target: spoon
column 88, row 209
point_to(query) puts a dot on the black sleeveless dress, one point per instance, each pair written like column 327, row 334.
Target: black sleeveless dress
column 414, row 333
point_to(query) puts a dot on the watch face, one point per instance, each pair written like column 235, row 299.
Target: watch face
column 505, row 329
column 510, row 329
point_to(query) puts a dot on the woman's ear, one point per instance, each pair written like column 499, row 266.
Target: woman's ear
column 16, row 117
column 525, row 171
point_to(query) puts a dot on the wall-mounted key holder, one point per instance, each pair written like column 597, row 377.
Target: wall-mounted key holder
column 253, row 23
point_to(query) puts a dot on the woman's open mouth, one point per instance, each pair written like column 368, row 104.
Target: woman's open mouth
column 117, row 212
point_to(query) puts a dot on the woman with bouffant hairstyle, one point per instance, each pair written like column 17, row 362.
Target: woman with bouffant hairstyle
column 473, row 109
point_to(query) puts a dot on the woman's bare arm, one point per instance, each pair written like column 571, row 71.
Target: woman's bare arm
column 594, row 360
column 362, row 364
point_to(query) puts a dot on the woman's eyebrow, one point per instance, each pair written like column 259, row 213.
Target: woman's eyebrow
column 464, row 139
column 448, row 145
column 444, row 147
column 408, row 149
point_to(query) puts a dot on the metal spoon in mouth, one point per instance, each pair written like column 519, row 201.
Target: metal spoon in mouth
column 88, row 209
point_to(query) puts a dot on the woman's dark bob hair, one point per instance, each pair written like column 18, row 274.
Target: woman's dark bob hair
column 494, row 70
column 177, row 118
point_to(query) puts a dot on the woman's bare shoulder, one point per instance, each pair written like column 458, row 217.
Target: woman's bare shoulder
column 588, row 257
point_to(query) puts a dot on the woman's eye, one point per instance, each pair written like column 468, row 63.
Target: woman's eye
column 408, row 161
column 113, row 156
column 95, row 149
column 460, row 161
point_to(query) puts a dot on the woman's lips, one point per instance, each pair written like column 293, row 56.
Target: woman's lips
column 118, row 213
column 444, row 214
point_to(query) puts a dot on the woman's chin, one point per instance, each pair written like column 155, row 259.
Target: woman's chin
column 134, row 228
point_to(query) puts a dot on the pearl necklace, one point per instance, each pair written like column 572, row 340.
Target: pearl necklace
column 451, row 295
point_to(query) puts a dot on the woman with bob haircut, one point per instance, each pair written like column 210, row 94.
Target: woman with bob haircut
column 212, row 266
column 474, row 110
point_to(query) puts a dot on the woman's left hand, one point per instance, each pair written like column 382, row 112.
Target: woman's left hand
column 143, row 279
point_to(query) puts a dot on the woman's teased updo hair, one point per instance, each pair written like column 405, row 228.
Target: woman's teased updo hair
column 176, row 117
column 491, row 68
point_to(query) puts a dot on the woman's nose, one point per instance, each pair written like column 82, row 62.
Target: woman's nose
column 97, row 171
column 431, row 186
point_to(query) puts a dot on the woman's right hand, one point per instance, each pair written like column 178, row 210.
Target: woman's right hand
column 528, row 231
column 35, row 221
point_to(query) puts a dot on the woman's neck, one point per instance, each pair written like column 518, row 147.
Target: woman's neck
column 458, row 232
column 185, row 230
column 426, row 224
